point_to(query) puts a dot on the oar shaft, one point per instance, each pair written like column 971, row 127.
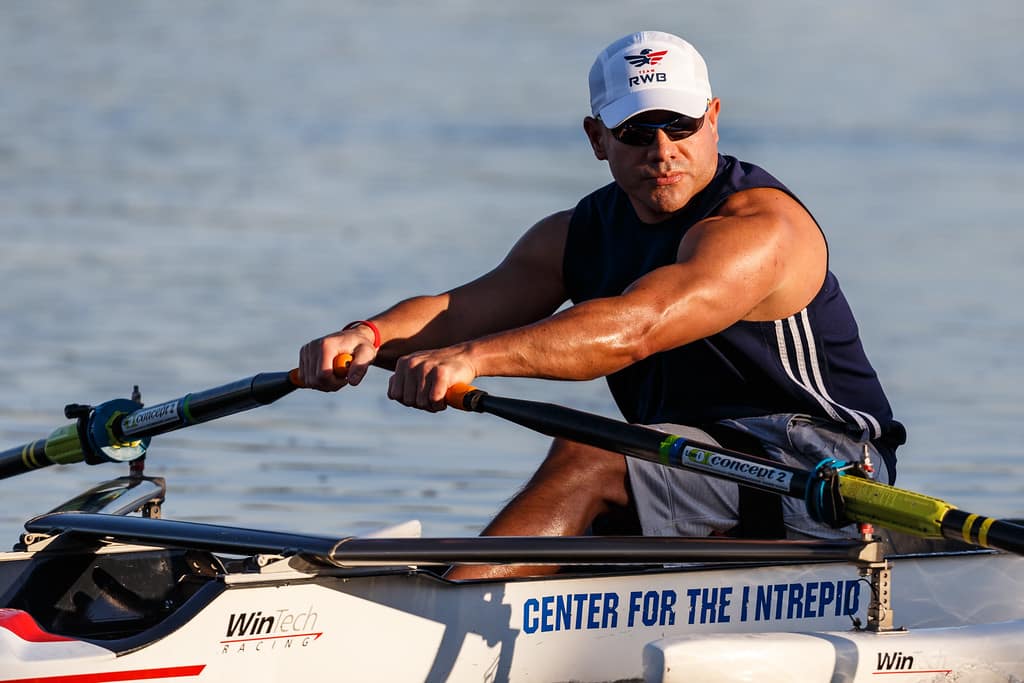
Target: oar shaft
column 958, row 525
column 203, row 406
column 62, row 446
column 555, row 420
column 862, row 500
column 24, row 458
column 114, row 424
column 641, row 442
column 120, row 427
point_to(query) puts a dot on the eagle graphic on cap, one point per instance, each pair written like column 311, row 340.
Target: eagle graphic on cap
column 646, row 56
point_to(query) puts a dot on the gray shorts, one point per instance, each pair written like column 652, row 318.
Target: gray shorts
column 675, row 502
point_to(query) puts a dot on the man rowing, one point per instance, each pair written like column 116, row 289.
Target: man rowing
column 701, row 290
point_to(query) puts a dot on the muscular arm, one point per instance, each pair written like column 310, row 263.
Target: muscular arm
column 761, row 258
column 524, row 287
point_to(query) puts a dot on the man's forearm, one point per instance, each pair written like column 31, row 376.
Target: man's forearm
column 584, row 342
column 412, row 325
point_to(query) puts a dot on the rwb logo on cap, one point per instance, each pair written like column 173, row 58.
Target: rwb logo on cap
column 646, row 56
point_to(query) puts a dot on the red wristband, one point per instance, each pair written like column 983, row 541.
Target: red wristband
column 357, row 323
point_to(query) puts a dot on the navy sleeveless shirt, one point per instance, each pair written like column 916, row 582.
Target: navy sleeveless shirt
column 811, row 362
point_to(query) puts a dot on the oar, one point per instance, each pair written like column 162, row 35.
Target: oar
column 120, row 429
column 863, row 500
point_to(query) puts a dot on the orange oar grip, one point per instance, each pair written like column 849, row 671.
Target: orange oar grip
column 341, row 363
column 456, row 394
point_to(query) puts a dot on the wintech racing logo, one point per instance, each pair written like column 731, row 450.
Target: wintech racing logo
column 273, row 630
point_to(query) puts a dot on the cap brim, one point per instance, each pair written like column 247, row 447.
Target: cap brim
column 687, row 103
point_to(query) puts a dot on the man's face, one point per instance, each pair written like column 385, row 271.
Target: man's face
column 660, row 178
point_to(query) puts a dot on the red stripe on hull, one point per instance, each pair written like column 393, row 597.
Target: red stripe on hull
column 136, row 675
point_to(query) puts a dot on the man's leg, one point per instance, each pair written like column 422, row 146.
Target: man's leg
column 573, row 485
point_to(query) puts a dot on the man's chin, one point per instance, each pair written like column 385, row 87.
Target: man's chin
column 668, row 200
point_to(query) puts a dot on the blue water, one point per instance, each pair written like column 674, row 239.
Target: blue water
column 190, row 191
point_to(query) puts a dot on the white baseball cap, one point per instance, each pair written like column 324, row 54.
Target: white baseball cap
column 646, row 71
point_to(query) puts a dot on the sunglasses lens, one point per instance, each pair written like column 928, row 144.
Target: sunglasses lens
column 683, row 127
column 635, row 135
column 643, row 134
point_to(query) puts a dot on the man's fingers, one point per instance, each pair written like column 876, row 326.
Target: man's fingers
column 362, row 358
column 309, row 364
column 421, row 380
column 395, row 383
column 436, row 388
column 410, row 388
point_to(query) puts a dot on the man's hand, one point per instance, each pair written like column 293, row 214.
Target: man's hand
column 316, row 359
column 422, row 379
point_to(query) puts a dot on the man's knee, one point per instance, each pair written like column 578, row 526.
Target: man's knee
column 582, row 468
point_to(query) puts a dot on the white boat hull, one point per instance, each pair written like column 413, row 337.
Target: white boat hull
column 371, row 625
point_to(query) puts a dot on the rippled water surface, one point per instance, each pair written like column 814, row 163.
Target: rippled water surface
column 190, row 191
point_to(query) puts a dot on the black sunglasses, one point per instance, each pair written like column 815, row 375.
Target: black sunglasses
column 643, row 134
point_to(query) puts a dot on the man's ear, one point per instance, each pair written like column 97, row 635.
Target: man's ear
column 714, row 107
column 595, row 133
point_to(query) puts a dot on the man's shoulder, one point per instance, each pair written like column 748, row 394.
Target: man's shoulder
column 744, row 174
column 741, row 188
column 758, row 200
column 558, row 221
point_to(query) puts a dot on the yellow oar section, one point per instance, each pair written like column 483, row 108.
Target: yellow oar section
column 920, row 515
column 61, row 447
column 893, row 508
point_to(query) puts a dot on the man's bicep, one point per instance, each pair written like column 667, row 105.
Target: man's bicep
column 726, row 270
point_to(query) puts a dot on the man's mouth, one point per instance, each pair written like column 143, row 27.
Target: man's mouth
column 668, row 178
